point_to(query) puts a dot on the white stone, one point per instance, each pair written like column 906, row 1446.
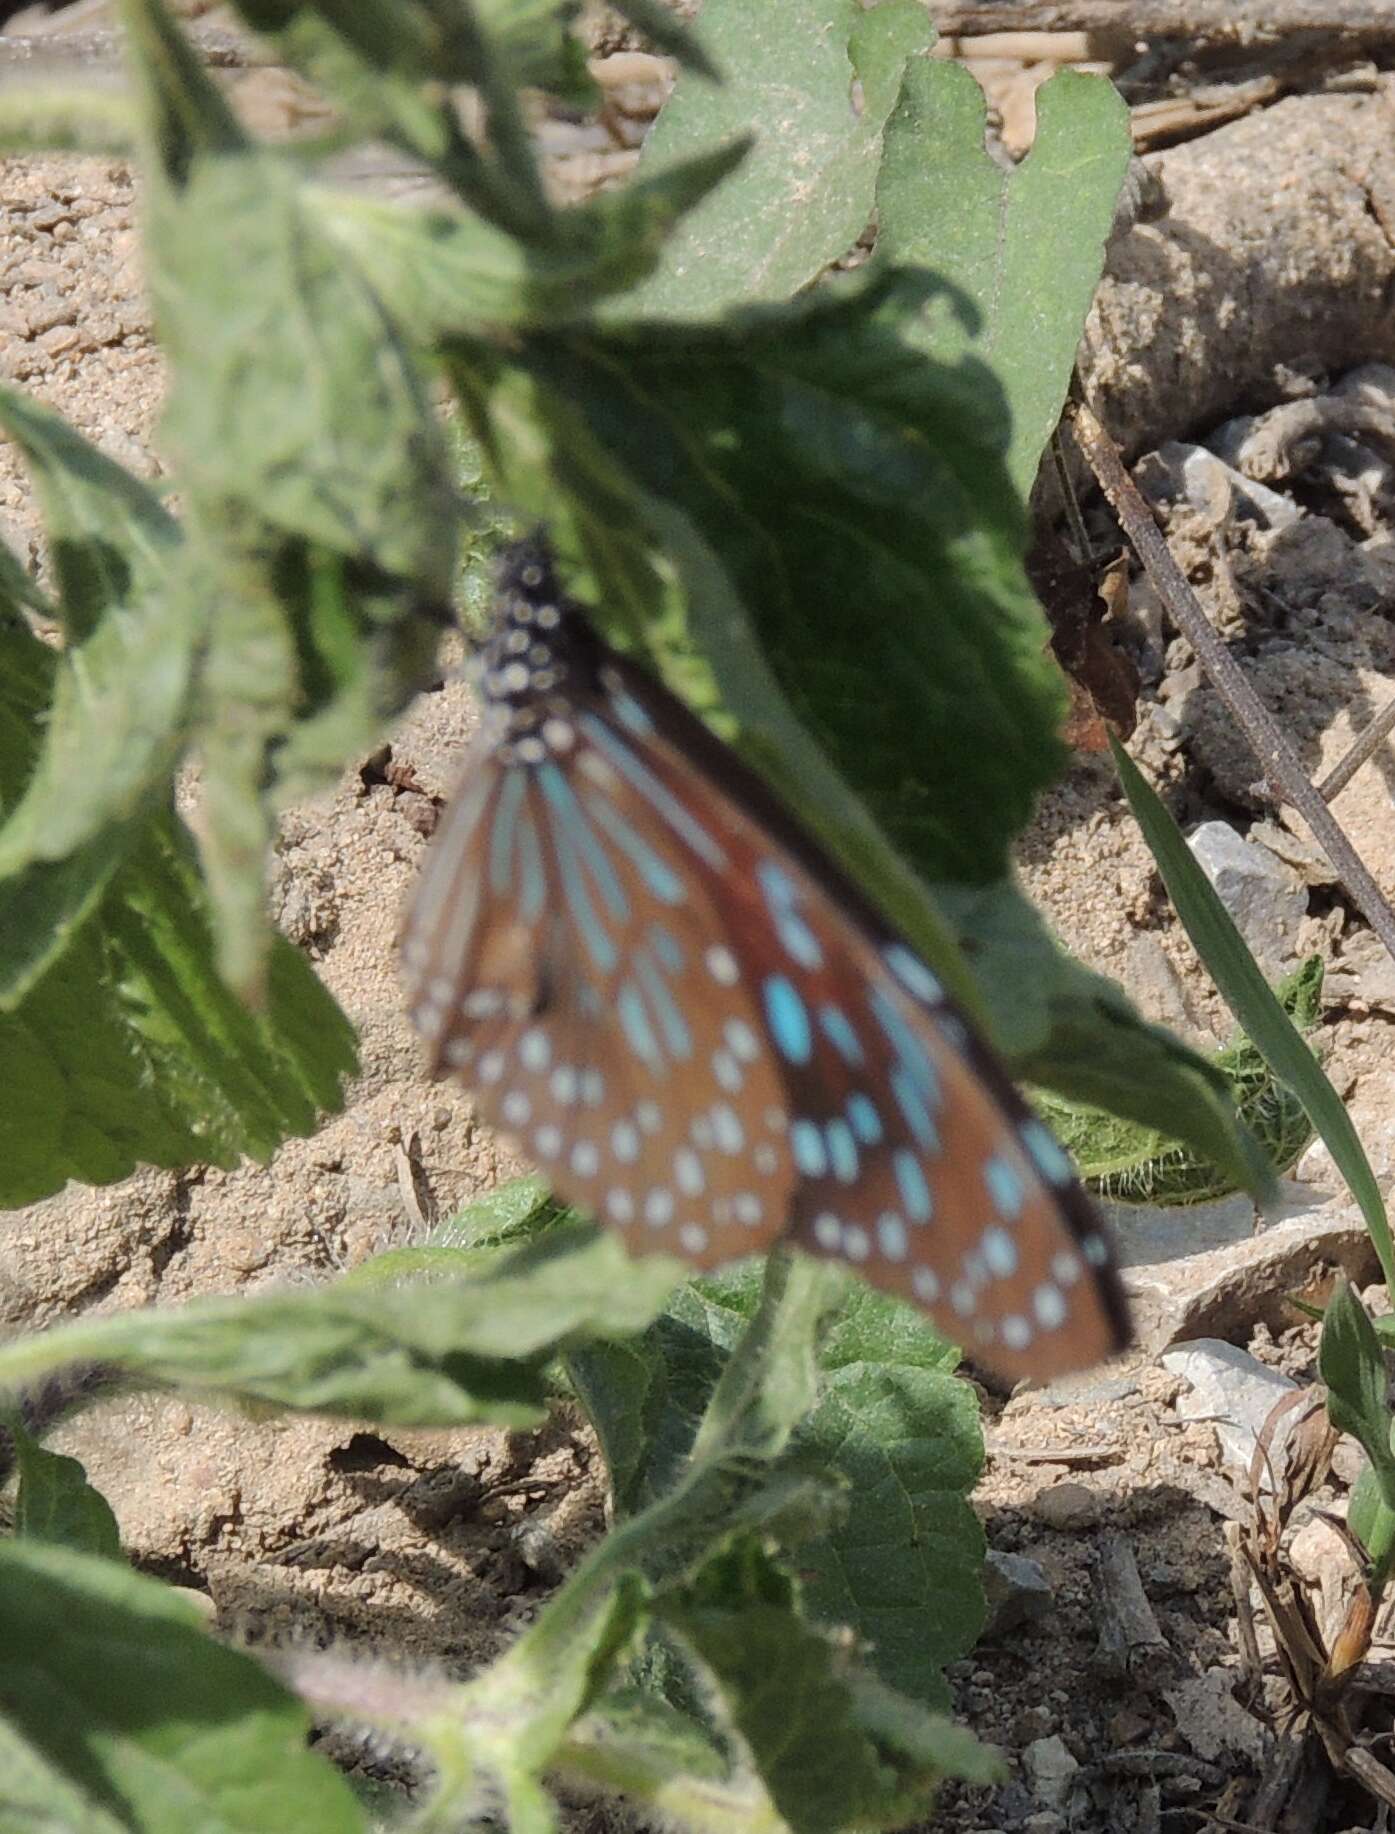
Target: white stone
column 1051, row 1768
column 1237, row 1394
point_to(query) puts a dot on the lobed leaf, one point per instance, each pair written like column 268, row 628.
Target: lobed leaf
column 814, row 81
column 1024, row 244
column 897, row 1554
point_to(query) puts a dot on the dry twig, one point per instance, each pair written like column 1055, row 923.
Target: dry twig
column 1280, row 762
column 1202, row 21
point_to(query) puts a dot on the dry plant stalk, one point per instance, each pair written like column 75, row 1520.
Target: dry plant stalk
column 1317, row 1662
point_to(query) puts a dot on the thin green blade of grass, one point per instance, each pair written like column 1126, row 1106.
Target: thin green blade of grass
column 1244, row 989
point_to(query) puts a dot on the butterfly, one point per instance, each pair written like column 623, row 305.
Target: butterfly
column 658, row 983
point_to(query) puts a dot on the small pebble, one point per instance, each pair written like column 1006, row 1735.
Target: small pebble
column 1067, row 1506
column 1050, row 1768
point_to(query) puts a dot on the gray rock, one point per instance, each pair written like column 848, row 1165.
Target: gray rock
column 1205, row 1270
column 1016, row 1591
column 1267, row 899
column 1067, row 1505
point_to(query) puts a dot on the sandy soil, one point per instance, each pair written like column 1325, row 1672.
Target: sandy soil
column 417, row 1545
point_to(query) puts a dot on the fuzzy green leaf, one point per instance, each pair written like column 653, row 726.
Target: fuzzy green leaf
column 900, row 1562
column 441, row 273
column 780, row 1688
column 430, row 1352
column 113, row 1691
column 814, row 81
column 115, row 700
column 57, row 1504
column 126, row 1047
column 1023, row 244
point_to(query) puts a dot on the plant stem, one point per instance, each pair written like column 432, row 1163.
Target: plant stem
column 1365, row 744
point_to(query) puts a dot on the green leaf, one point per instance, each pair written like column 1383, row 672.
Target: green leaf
column 321, row 515
column 130, row 1048
column 518, row 1210
column 435, row 1352
column 814, row 81
column 42, row 902
column 440, row 273
column 325, row 428
column 1023, row 244
column 114, row 1695
column 831, row 466
column 1367, row 1516
column 1352, row 1364
column 646, row 1398
column 35, row 1794
column 663, row 1760
column 116, row 698
column 900, row 1561
column 903, row 1565
column 780, row 1688
column 1134, row 1163
column 802, row 1721
column 56, row 1503
column 1246, row 992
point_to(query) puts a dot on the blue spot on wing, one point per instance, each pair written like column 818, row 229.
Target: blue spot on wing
column 838, row 1029
column 534, row 881
column 594, row 934
column 781, row 900
column 842, row 1151
column 866, row 1122
column 907, row 1046
column 634, row 1022
column 912, row 1104
column 788, row 1020
column 1046, row 1152
column 1005, row 1187
column 910, row 1179
column 667, row 947
column 570, row 817
column 630, row 713
column 807, row 1145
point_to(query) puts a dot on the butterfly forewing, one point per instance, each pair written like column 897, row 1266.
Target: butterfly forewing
column 656, row 982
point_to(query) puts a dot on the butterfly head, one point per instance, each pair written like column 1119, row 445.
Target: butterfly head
column 536, row 662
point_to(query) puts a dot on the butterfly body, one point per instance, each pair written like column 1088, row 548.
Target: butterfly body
column 701, row 1031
